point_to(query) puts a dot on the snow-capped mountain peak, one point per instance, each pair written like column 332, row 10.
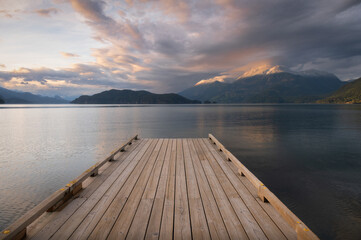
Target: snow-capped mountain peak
column 264, row 70
column 268, row 70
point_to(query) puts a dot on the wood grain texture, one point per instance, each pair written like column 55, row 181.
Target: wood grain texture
column 215, row 221
column 169, row 189
column 182, row 224
column 140, row 222
column 166, row 229
column 265, row 194
column 124, row 220
column 22, row 223
column 110, row 185
column 200, row 228
column 233, row 225
column 153, row 229
column 245, row 216
column 107, row 221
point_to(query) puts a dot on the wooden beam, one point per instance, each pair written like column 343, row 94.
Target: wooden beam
column 94, row 169
column 252, row 178
column 303, row 232
column 18, row 228
column 21, row 235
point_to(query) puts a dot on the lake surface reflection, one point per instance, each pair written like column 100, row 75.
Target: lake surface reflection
column 308, row 155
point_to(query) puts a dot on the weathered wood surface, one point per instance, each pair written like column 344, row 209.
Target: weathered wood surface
column 169, row 189
column 303, row 232
column 18, row 228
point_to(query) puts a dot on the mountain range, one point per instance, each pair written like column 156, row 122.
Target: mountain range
column 263, row 84
column 271, row 85
column 132, row 97
column 349, row 93
column 17, row 97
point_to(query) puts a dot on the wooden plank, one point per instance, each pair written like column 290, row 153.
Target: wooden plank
column 139, row 224
column 254, row 180
column 21, row 224
column 249, row 223
column 287, row 230
column 107, row 221
column 303, row 232
column 198, row 218
column 266, row 195
column 89, row 184
column 124, row 220
column 153, row 228
column 182, row 225
column 38, row 224
column 166, row 230
column 124, row 176
column 93, row 170
column 85, row 208
column 232, row 223
column 112, row 167
column 264, row 221
column 215, row 221
column 84, row 194
column 67, row 197
column 178, row 188
column 87, row 214
column 52, row 226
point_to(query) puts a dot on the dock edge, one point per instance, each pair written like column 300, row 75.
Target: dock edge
column 17, row 230
column 303, row 232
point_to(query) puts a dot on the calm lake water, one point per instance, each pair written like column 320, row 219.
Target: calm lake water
column 308, row 155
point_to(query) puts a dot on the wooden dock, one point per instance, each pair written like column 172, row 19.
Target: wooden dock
column 163, row 189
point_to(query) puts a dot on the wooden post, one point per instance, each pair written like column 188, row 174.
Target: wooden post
column 17, row 230
column 95, row 173
column 303, row 232
column 261, row 193
column 71, row 193
column 21, row 235
column 60, row 203
column 239, row 171
column 77, row 188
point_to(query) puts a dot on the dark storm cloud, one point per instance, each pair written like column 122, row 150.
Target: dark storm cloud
column 295, row 32
column 344, row 5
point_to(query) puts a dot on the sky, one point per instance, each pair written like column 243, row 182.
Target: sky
column 74, row 47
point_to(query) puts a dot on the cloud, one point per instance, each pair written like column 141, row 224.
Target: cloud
column 5, row 13
column 47, row 12
column 347, row 4
column 78, row 74
column 124, row 33
column 69, row 55
column 169, row 45
column 212, row 80
column 225, row 35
